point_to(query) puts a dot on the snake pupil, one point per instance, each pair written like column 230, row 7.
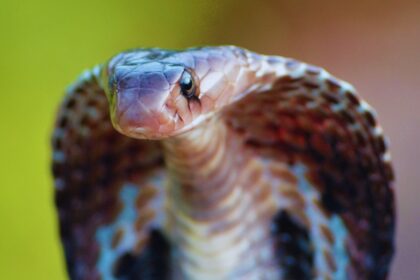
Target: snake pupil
column 187, row 85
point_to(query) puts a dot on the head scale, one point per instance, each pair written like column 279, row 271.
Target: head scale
column 154, row 93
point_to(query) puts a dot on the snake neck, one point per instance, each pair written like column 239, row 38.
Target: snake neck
column 215, row 222
column 202, row 164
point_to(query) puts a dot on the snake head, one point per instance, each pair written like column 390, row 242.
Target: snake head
column 155, row 93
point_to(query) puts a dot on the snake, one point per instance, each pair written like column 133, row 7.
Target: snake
column 220, row 163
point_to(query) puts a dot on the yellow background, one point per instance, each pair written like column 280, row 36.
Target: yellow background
column 45, row 44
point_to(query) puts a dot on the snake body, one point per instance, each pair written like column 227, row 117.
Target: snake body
column 220, row 163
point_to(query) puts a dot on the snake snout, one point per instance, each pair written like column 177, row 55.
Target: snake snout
column 138, row 109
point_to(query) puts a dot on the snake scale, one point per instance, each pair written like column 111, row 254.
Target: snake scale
column 220, row 163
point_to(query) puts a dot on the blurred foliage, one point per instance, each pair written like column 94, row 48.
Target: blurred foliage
column 45, row 45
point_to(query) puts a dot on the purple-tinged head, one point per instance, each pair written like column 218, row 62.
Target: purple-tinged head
column 154, row 93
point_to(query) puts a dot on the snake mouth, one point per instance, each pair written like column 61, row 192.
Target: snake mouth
column 155, row 125
column 138, row 121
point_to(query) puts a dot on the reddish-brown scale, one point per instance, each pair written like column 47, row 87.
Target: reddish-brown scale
column 327, row 234
column 117, row 238
column 330, row 261
column 145, row 195
column 145, row 216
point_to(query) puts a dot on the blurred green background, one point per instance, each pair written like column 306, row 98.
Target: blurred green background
column 45, row 44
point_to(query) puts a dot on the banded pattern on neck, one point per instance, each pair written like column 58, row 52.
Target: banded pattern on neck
column 218, row 223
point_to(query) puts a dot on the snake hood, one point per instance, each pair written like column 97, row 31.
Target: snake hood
column 156, row 93
column 263, row 167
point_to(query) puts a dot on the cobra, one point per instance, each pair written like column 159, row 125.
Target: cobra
column 220, row 163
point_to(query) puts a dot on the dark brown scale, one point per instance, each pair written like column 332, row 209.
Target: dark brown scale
column 70, row 104
column 310, row 85
column 300, row 101
column 62, row 123
column 370, row 118
column 354, row 100
column 116, row 239
column 146, row 194
column 330, row 97
column 320, row 147
column 380, row 144
column 293, row 247
column 145, row 216
column 295, row 198
column 333, row 85
column 152, row 263
column 287, row 88
column 329, row 236
column 361, row 140
column 347, row 116
column 389, row 172
column 330, row 261
column 285, row 80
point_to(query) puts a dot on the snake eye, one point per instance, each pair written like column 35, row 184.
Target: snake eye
column 187, row 85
